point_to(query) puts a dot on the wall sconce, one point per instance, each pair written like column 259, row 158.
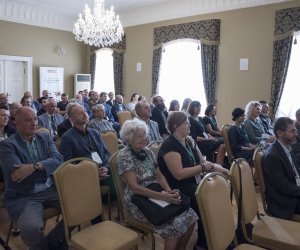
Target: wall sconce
column 60, row 50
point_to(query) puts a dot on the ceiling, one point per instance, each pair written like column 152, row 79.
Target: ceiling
column 61, row 14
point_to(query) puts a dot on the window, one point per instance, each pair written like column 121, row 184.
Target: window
column 289, row 102
column 104, row 75
column 181, row 73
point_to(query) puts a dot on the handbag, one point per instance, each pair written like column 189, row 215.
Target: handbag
column 156, row 214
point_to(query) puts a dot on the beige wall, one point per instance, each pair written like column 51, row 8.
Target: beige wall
column 246, row 33
column 40, row 44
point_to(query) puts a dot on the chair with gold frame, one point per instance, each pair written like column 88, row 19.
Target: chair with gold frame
column 78, row 188
column 125, row 217
column 224, row 131
column 124, row 116
column 155, row 146
column 110, row 140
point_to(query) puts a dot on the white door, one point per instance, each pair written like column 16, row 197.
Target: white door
column 15, row 76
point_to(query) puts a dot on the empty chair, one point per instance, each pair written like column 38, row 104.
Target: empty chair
column 155, row 146
column 213, row 198
column 129, row 220
column 257, row 160
column 77, row 184
column 268, row 232
column 224, row 131
column 124, row 116
column 110, row 140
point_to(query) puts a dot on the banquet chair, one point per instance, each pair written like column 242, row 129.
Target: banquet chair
column 155, row 146
column 216, row 213
column 78, row 188
column 224, row 131
column 124, row 116
column 125, row 217
column 110, row 140
column 268, row 232
column 257, row 160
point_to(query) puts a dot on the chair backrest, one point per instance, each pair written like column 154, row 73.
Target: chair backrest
column 77, row 184
column 257, row 161
column 123, row 116
column 225, row 130
column 155, row 146
column 43, row 130
column 249, row 200
column 213, row 198
column 113, row 163
column 110, row 140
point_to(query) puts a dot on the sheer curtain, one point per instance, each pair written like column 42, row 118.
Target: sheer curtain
column 207, row 32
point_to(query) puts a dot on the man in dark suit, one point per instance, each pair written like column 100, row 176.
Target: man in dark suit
column 160, row 115
column 281, row 172
column 118, row 107
column 28, row 160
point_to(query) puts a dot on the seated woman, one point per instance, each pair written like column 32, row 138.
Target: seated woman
column 205, row 141
column 210, row 121
column 185, row 104
column 253, row 125
column 174, row 106
column 137, row 167
column 182, row 163
column 240, row 145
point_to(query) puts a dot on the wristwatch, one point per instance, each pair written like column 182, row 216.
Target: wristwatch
column 37, row 166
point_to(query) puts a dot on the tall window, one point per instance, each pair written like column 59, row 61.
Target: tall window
column 104, row 75
column 289, row 102
column 181, row 72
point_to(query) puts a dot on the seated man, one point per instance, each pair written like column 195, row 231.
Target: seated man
column 50, row 119
column 43, row 103
column 265, row 118
column 62, row 105
column 296, row 146
column 117, row 107
column 281, row 172
column 143, row 111
column 28, row 160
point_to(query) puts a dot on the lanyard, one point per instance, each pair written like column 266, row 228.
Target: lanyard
column 188, row 150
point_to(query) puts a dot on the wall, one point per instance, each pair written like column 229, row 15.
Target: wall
column 246, row 33
column 40, row 44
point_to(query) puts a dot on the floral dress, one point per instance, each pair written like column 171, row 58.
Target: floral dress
column 145, row 174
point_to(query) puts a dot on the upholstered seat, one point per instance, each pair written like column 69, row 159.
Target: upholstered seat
column 124, row 116
column 225, row 130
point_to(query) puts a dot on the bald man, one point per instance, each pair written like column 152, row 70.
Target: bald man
column 28, row 160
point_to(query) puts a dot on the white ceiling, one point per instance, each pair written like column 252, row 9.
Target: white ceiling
column 61, row 14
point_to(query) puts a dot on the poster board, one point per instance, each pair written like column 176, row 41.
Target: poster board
column 52, row 79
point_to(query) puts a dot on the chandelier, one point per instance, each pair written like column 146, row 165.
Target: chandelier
column 100, row 28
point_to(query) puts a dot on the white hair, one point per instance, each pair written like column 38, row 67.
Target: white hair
column 130, row 127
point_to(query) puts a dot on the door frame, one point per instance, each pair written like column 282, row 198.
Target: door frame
column 28, row 67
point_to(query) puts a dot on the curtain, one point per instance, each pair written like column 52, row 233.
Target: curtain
column 118, row 59
column 93, row 69
column 208, row 32
column 209, row 58
column 287, row 21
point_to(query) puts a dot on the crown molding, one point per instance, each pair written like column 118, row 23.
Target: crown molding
column 27, row 13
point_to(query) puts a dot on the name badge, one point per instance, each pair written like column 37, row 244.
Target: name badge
column 96, row 157
column 298, row 181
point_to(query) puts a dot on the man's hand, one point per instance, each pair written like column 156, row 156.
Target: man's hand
column 22, row 171
column 103, row 172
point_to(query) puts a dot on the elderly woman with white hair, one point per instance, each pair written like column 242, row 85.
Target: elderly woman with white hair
column 253, row 125
column 137, row 166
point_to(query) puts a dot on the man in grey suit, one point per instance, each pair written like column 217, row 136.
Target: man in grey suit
column 28, row 160
column 282, row 172
column 51, row 119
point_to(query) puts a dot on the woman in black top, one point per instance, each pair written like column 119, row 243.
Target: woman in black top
column 210, row 121
column 182, row 163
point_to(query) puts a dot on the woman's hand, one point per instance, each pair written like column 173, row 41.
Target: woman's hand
column 171, row 196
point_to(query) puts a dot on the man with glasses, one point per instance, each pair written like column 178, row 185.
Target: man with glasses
column 282, row 172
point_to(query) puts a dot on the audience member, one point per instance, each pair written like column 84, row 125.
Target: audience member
column 282, row 172
column 80, row 101
column 253, row 125
column 210, row 121
column 94, row 99
column 62, row 104
column 142, row 98
column 265, row 119
column 26, row 101
column 11, row 125
column 45, row 93
column 4, row 100
column 160, row 115
column 117, row 107
column 43, row 103
column 28, row 160
column 174, row 105
column 185, row 105
column 207, row 143
column 4, row 118
column 50, row 119
column 133, row 100
column 35, row 105
column 182, row 163
column 136, row 165
column 111, row 100
column 238, row 140
column 108, row 114
column 66, row 124
column 296, row 146
column 143, row 111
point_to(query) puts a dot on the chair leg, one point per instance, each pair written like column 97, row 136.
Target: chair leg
column 8, row 234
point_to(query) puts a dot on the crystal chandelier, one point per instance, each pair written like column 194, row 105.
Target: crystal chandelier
column 101, row 28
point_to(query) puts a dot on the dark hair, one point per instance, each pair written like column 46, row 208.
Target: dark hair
column 236, row 113
column 263, row 102
column 103, row 93
column 175, row 119
column 40, row 100
column 64, row 94
column 133, row 95
column 192, row 105
column 172, row 105
column 282, row 124
column 209, row 108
